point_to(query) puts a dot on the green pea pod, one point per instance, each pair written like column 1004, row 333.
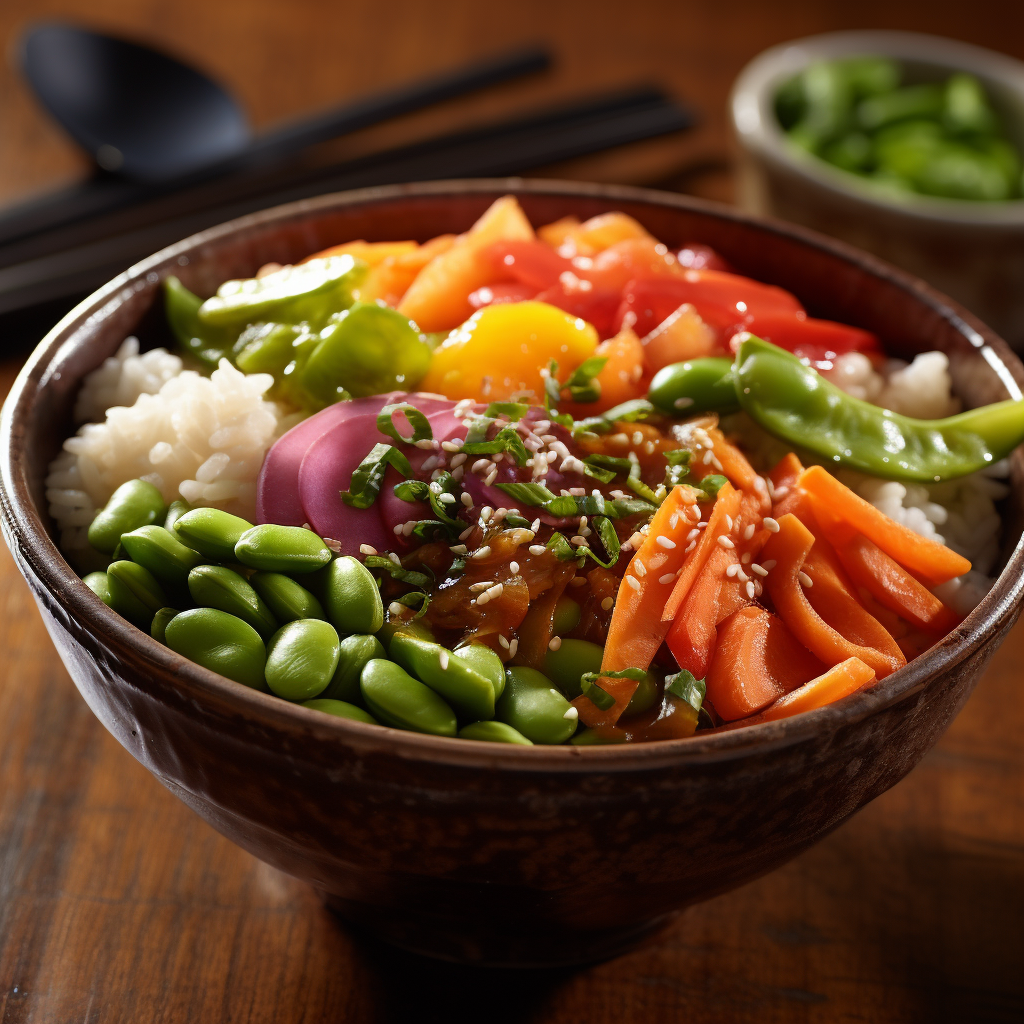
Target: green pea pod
column 966, row 107
column 354, row 652
column 308, row 292
column 351, row 597
column 175, row 511
column 220, row 642
column 697, row 385
column 465, row 689
column 141, row 582
column 212, row 532
column 367, row 350
column 301, row 659
column 566, row 617
column 912, row 101
column 158, row 627
column 286, row 599
column 340, row 709
column 274, row 548
column 161, row 553
column 483, row 660
column 493, row 732
column 268, row 348
column 795, row 403
column 134, row 504
column 535, row 708
column 99, row 584
column 398, row 700
column 216, row 586
column 206, row 343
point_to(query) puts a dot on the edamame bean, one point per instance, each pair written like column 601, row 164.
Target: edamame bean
column 353, row 654
column 286, row 599
column 301, row 659
column 644, row 696
column 594, row 738
column 340, row 709
column 465, row 689
column 351, row 597
column 275, row 548
column 212, row 532
column 493, row 732
column 134, row 504
column 220, row 642
column 216, row 586
column 697, row 385
column 158, row 627
column 533, row 706
column 566, row 617
column 161, row 553
column 175, row 511
column 565, row 666
column 396, row 699
column 99, row 584
column 484, row 660
column 141, row 582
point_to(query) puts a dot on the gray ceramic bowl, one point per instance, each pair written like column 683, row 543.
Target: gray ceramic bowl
column 973, row 251
column 485, row 852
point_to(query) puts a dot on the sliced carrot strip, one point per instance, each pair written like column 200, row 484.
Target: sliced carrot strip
column 926, row 559
column 694, row 631
column 726, row 507
column 636, row 629
column 839, row 681
column 737, row 468
column 757, row 660
column 789, row 549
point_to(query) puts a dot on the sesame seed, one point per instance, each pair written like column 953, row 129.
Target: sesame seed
column 457, row 472
column 467, row 499
column 805, row 579
column 571, row 714
column 667, row 578
column 442, row 656
column 448, row 446
column 395, row 608
column 638, row 437
column 554, row 643
column 448, row 499
column 745, row 558
column 732, row 569
column 535, row 525
column 480, row 465
column 689, row 547
column 466, row 532
column 485, row 513
column 492, row 476
column 398, row 529
column 482, row 552
column 708, row 456
column 457, row 549
column 408, row 528
column 394, row 558
column 537, row 549
column 502, row 641
column 749, row 532
column 367, row 549
column 741, row 575
column 693, row 534
column 580, row 542
column 493, row 593
column 432, row 463
column 769, row 565
column 771, row 525
column 781, row 492
column 650, row 448
column 607, row 603
column 674, row 520
column 479, row 588
column 751, row 591
column 424, row 443
column 577, row 581
column 633, row 581
column 728, row 521
column 512, row 648
column 683, row 402
column 458, row 460
column 665, row 542
column 726, row 543
column 639, row 568
column 759, row 569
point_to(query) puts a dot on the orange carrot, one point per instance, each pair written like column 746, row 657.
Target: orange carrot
column 928, row 560
column 789, row 549
column 736, row 467
column 370, row 252
column 726, row 507
column 636, row 629
column 757, row 660
column 694, row 630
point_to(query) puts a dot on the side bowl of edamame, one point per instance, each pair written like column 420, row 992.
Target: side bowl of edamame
column 512, row 853
column 969, row 248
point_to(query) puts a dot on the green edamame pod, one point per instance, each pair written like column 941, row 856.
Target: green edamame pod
column 161, row 553
column 354, row 652
column 275, row 548
column 267, row 348
column 794, row 402
column 566, row 617
column 340, row 709
column 493, row 732
column 212, row 532
column 465, row 689
column 351, row 598
column 99, row 584
column 533, row 706
column 486, row 662
column 216, row 586
column 286, row 599
column 134, row 504
column 415, row 627
column 398, row 700
column 141, row 582
column 175, row 511
column 220, row 642
column 158, row 627
column 124, row 601
column 301, row 659
column 697, row 385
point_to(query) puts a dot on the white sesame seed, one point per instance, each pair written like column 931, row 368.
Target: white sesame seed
column 467, row 499
column 638, row 437
column 667, row 578
column 482, row 552
column 485, row 513
column 436, row 474
column 535, row 525
column 633, row 581
column 607, row 603
column 650, row 448
column 693, row 534
column 537, row 549
column 432, row 463
column 674, row 520
column 702, row 526
column 769, row 565
column 571, row 714
column 409, row 527
column 580, row 542
column 554, row 643
column 639, row 568
column 466, row 532
column 751, row 590
column 491, row 477
column 458, row 460
column 513, row 567
column 578, row 492
column 449, row 447
column 805, row 579
column 367, row 549
column 480, row 465
column 448, row 499
column 771, row 488
column 442, row 656
column 741, row 575
column 731, row 570
column 424, row 443
column 512, row 648
column 689, row 547
column 728, row 522
column 395, row 608
column 771, row 525
column 502, row 641
column 708, row 456
column 726, row 543
column 759, row 569
column 749, row 532
column 394, row 558
column 398, row 529
column 781, row 492
column 479, row 588
column 493, row 593
column 457, row 549
column 665, row 542
column 457, row 472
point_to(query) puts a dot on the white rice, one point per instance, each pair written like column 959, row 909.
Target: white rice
column 194, row 437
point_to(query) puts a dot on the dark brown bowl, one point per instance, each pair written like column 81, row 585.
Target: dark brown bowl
column 484, row 852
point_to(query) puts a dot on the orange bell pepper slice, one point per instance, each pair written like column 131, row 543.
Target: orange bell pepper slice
column 928, row 560
column 789, row 549
column 757, row 660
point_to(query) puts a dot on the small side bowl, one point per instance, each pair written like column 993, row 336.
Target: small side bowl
column 481, row 852
column 973, row 251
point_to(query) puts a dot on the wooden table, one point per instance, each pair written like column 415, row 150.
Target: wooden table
column 117, row 904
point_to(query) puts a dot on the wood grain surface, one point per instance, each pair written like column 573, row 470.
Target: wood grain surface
column 118, row 904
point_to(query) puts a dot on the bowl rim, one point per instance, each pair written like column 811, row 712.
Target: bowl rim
column 756, row 128
column 26, row 535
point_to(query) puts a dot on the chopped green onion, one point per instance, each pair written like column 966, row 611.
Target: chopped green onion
column 606, row 476
column 506, row 440
column 478, row 430
column 398, row 572
column 420, row 424
column 582, row 384
column 561, row 548
column 712, row 484
column 412, row 490
column 602, row 698
column 413, row 598
column 528, row 494
column 616, row 462
column 610, row 540
column 369, row 474
column 678, row 456
column 686, row 686
column 512, row 410
column 516, row 521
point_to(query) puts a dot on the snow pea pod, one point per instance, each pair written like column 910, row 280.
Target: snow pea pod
column 206, row 343
column 697, row 385
column 794, row 402
column 141, row 582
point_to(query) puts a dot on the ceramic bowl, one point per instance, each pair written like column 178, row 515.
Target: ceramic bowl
column 973, row 251
column 484, row 852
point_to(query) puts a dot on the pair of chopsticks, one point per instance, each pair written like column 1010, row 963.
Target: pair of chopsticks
column 65, row 263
